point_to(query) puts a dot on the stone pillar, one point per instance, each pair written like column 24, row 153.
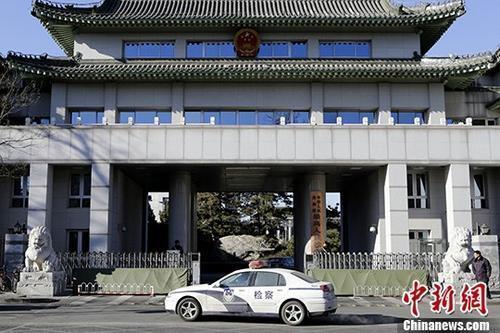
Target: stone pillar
column 384, row 97
column 180, row 210
column 109, row 103
column 40, row 195
column 58, row 103
column 436, row 104
column 396, row 209
column 100, row 208
column 317, row 102
column 304, row 223
column 177, row 102
column 194, row 219
column 458, row 199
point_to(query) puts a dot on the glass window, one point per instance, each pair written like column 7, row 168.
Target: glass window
column 407, row 117
column 246, row 117
column 79, row 193
column 228, row 118
column 345, row 49
column 86, row 117
column 301, row 117
column 236, row 280
column 348, row 117
column 207, row 115
column 145, row 116
column 267, row 279
column 149, row 49
column 78, row 241
column 283, row 49
column 192, row 117
column 265, row 117
column 305, row 277
column 478, row 189
column 20, row 192
column 418, row 196
column 213, row 49
column 279, row 114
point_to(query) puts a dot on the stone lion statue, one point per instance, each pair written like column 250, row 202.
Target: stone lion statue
column 459, row 255
column 40, row 256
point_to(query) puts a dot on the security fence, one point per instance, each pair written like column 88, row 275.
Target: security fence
column 110, row 260
column 431, row 262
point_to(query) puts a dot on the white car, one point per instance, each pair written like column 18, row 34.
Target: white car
column 288, row 294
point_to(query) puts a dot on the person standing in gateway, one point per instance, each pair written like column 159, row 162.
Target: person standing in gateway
column 481, row 268
column 177, row 246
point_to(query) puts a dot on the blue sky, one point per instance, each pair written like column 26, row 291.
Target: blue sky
column 477, row 31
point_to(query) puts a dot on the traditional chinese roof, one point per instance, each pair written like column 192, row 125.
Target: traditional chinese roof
column 458, row 72
column 62, row 20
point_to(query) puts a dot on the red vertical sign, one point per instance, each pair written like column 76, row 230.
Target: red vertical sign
column 317, row 221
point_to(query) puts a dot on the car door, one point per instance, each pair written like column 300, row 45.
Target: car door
column 266, row 292
column 229, row 294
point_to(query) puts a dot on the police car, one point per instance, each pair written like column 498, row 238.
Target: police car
column 288, row 294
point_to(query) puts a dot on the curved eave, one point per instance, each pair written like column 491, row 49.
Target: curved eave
column 458, row 73
column 61, row 21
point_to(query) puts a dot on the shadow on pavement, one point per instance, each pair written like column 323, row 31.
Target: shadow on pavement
column 4, row 307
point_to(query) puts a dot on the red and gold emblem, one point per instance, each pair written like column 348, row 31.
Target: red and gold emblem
column 247, row 43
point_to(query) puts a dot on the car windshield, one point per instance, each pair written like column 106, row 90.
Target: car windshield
column 304, row 277
column 236, row 280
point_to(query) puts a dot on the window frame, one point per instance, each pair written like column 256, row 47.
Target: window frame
column 81, row 196
column 97, row 111
column 415, row 112
column 359, row 111
column 291, row 116
column 333, row 42
column 125, row 42
column 80, row 237
column 481, row 198
column 414, row 189
column 250, row 280
column 280, row 279
column 24, row 196
column 136, row 110
column 289, row 49
column 204, row 51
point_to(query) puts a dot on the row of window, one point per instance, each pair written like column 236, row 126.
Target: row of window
column 244, row 117
column 417, row 186
column 225, row 49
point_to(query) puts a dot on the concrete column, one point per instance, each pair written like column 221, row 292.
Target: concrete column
column 317, row 101
column 384, row 100
column 58, row 103
column 458, row 199
column 396, row 209
column 304, row 240
column 100, row 208
column 436, row 104
column 40, row 195
column 194, row 219
column 177, row 102
column 180, row 210
column 110, row 102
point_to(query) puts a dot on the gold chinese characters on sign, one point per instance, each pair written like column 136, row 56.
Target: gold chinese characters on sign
column 317, row 221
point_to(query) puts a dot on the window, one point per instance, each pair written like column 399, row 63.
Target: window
column 269, row 279
column 216, row 49
column 283, row 50
column 345, row 49
column 236, row 280
column 418, row 193
column 86, row 117
column 145, row 116
column 20, row 192
column 305, row 277
column 148, row 50
column 407, row 117
column 246, row 117
column 79, row 193
column 78, row 241
column 483, row 122
column 348, row 117
column 478, row 191
column 419, row 234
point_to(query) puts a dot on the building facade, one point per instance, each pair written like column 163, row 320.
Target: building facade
column 305, row 96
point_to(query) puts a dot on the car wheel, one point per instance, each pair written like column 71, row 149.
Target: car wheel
column 293, row 313
column 189, row 309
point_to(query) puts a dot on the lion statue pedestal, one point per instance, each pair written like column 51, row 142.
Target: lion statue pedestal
column 42, row 274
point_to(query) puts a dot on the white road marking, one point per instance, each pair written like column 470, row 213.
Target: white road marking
column 120, row 299
column 83, row 300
